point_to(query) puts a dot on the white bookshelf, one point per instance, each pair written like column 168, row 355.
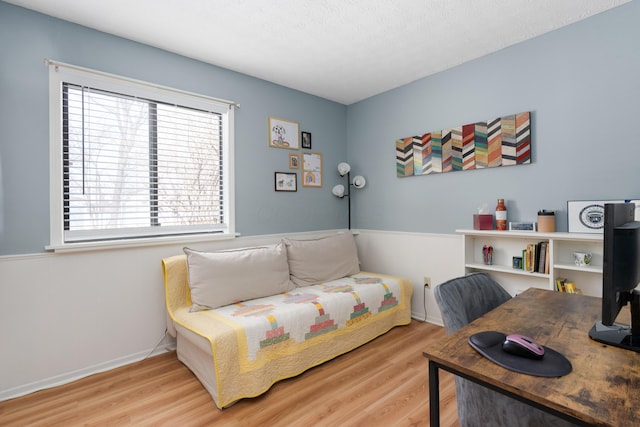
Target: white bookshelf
column 507, row 244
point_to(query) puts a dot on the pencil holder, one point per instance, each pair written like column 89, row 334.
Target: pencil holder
column 487, row 254
column 546, row 221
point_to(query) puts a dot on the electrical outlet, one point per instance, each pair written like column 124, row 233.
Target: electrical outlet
column 427, row 282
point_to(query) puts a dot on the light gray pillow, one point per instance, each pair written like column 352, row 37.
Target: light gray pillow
column 225, row 277
column 321, row 260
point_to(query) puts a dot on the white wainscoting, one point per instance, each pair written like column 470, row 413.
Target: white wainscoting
column 67, row 316
column 414, row 256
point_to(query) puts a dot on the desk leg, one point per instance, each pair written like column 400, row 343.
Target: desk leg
column 434, row 395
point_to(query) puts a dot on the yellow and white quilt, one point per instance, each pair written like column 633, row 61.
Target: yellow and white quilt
column 259, row 342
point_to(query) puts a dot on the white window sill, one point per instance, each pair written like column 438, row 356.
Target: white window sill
column 138, row 242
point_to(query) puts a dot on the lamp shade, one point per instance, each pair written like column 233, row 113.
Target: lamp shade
column 344, row 168
column 338, row 190
column 359, row 181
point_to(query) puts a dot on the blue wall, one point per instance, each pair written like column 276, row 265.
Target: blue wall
column 27, row 38
column 582, row 84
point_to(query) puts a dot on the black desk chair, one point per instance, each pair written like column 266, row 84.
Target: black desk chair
column 461, row 301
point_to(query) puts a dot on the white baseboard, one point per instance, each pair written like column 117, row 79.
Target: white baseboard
column 430, row 319
column 418, row 316
column 435, row 320
column 166, row 345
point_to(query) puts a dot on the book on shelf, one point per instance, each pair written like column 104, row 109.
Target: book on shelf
column 530, row 257
column 536, row 257
column 566, row 286
column 546, row 261
column 542, row 256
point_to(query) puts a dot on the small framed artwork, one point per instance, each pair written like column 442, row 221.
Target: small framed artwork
column 294, row 161
column 284, row 134
column 523, row 226
column 306, row 140
column 286, row 181
column 312, row 170
column 586, row 216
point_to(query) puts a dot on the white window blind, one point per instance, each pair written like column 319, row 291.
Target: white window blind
column 137, row 160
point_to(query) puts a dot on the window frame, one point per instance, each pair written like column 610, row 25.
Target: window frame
column 60, row 73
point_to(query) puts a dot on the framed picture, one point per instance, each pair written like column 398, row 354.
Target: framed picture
column 284, row 134
column 312, row 170
column 294, row 161
column 306, row 140
column 286, row 181
column 523, row 226
column 587, row 216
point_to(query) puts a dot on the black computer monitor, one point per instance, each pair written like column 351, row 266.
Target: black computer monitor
column 620, row 276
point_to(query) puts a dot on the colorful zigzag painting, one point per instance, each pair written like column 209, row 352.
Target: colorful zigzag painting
column 504, row 141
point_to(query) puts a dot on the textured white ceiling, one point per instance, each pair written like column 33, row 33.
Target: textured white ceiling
column 342, row 50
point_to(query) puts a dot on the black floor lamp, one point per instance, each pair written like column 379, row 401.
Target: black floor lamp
column 339, row 190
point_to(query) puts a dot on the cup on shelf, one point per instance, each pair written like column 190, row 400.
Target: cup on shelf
column 582, row 258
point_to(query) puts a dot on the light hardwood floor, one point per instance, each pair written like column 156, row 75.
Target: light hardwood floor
column 383, row 383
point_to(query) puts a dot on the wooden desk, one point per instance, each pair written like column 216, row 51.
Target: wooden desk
column 603, row 387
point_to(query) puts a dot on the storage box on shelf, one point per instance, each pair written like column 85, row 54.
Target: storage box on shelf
column 561, row 246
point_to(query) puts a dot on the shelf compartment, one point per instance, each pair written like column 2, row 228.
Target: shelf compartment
column 586, row 268
column 505, row 269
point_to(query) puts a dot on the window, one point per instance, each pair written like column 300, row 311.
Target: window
column 133, row 160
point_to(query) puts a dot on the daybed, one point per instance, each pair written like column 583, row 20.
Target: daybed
column 245, row 319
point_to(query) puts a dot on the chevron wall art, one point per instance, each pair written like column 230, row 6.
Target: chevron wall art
column 504, row 141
